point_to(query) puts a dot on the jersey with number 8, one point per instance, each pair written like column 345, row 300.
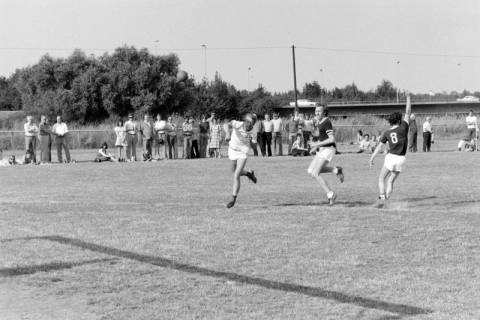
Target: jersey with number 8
column 397, row 139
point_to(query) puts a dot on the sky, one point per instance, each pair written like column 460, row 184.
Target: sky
column 419, row 45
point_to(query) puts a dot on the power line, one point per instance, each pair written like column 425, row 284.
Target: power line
column 358, row 51
column 396, row 53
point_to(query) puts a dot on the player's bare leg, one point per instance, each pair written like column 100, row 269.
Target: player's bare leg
column 238, row 170
column 391, row 179
column 381, row 187
column 318, row 166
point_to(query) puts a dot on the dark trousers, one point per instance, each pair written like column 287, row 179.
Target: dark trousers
column 172, row 147
column 268, row 143
column 254, row 145
column 203, row 145
column 412, row 142
column 61, row 142
column 306, row 138
column 131, row 146
column 31, row 145
column 194, row 153
column 427, row 141
column 261, row 143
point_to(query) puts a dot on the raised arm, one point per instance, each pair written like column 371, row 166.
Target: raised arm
column 408, row 109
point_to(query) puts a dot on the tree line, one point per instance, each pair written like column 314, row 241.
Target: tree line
column 88, row 89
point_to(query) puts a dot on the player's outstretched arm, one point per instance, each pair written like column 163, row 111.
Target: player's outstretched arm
column 408, row 109
column 374, row 154
column 228, row 131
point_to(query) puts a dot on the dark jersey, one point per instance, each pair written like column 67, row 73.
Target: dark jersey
column 397, row 139
column 325, row 128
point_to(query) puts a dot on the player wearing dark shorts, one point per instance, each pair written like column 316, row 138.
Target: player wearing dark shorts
column 397, row 139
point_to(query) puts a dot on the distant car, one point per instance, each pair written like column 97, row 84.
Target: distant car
column 469, row 99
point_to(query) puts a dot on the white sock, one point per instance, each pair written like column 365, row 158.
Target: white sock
column 335, row 170
column 329, row 194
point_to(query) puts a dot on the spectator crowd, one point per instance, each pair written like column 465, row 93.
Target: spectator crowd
column 160, row 138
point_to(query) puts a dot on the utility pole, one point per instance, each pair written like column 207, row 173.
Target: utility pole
column 294, row 78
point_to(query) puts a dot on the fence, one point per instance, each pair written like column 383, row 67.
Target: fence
column 91, row 138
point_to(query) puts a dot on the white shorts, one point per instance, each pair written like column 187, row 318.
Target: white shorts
column 236, row 154
column 394, row 162
column 324, row 154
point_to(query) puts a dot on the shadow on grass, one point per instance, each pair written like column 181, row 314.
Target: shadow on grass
column 268, row 284
column 18, row 271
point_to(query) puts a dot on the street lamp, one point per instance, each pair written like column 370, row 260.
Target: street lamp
column 204, row 46
column 398, row 77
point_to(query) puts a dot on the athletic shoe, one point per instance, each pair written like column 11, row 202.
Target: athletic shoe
column 231, row 203
column 251, row 175
column 380, row 203
column 340, row 175
column 331, row 200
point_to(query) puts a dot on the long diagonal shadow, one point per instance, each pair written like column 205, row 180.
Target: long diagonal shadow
column 18, row 271
column 268, row 284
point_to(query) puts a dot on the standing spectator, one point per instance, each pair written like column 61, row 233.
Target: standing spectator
column 412, row 134
column 297, row 147
column 258, row 128
column 215, row 138
column 359, row 137
column 171, row 138
column 187, row 138
column 267, row 134
column 45, row 140
column 254, row 133
column 292, row 128
column 307, row 130
column 204, row 127
column 472, row 129
column 146, row 132
column 427, row 135
column 31, row 131
column 159, row 128
column 121, row 139
column 277, row 135
column 60, row 130
column 131, row 129
column 195, row 153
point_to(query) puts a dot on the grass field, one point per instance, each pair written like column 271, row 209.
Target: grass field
column 155, row 241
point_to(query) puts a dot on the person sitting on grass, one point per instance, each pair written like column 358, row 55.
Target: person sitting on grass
column 364, row 144
column 103, row 154
column 297, row 149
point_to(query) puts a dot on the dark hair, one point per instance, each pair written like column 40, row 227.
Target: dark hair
column 120, row 121
column 394, row 118
column 360, row 132
column 366, row 135
column 299, row 135
column 104, row 145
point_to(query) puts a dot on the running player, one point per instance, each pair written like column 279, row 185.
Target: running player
column 239, row 134
column 325, row 148
column 397, row 139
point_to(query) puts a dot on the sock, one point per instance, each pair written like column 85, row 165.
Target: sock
column 329, row 194
column 335, row 170
column 382, row 197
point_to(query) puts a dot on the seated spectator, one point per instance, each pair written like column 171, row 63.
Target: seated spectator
column 364, row 144
column 373, row 143
column 11, row 161
column 359, row 137
column 297, row 149
column 103, row 154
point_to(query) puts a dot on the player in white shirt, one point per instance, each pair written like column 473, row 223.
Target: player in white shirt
column 472, row 132
column 239, row 134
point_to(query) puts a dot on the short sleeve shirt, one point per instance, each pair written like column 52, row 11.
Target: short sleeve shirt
column 325, row 129
column 240, row 139
column 397, row 139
